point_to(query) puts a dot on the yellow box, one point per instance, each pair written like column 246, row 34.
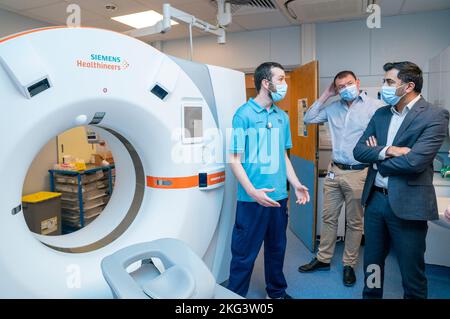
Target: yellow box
column 80, row 166
column 39, row 197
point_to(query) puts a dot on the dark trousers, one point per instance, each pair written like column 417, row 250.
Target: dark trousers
column 255, row 224
column 382, row 230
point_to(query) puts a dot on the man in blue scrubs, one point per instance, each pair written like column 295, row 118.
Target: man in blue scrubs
column 258, row 158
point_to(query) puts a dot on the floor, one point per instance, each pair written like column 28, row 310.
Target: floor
column 328, row 284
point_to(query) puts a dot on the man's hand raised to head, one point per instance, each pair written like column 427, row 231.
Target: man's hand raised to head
column 328, row 93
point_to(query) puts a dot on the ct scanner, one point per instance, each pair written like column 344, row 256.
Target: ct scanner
column 165, row 120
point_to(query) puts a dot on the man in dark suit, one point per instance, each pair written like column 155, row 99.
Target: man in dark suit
column 400, row 143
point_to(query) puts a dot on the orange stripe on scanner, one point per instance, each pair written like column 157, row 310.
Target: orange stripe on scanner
column 183, row 182
column 172, row 182
column 216, row 178
column 28, row 32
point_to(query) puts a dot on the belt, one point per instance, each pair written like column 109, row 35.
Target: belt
column 350, row 167
column 380, row 189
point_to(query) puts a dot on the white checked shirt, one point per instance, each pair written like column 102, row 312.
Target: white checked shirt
column 346, row 124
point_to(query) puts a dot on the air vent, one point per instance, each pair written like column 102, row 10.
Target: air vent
column 98, row 117
column 38, row 87
column 159, row 91
column 250, row 6
column 265, row 4
column 16, row 210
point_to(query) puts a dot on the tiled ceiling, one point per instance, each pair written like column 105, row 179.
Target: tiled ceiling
column 94, row 13
column 311, row 11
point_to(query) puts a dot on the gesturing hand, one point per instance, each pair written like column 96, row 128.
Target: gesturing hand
column 302, row 194
column 260, row 195
column 447, row 213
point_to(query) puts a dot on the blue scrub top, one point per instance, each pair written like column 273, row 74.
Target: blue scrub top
column 262, row 137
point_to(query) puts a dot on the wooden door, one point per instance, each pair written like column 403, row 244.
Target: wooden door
column 304, row 153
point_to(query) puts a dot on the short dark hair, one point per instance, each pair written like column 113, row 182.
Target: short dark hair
column 407, row 72
column 343, row 74
column 264, row 72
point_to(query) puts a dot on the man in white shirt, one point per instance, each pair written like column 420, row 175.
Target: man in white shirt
column 347, row 119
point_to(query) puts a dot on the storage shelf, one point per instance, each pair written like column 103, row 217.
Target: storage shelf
column 84, row 194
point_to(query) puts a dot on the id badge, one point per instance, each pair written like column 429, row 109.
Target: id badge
column 330, row 175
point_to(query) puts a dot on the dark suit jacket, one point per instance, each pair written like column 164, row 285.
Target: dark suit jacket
column 410, row 188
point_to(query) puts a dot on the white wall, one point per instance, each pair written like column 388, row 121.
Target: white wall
column 439, row 84
column 37, row 178
column 11, row 23
column 351, row 45
column 243, row 50
column 339, row 45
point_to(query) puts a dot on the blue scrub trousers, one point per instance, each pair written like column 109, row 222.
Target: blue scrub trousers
column 255, row 224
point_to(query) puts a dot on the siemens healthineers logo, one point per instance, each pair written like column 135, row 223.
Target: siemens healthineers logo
column 107, row 58
column 103, row 62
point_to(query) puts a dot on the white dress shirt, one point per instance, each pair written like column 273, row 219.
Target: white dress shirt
column 396, row 121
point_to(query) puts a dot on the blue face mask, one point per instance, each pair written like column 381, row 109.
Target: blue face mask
column 280, row 93
column 388, row 94
column 349, row 93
